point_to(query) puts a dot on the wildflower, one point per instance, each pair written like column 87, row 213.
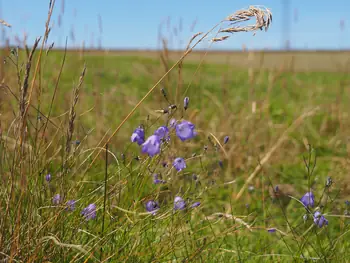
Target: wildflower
column 196, row 204
column 221, row 164
column 156, row 180
column 163, row 92
column 138, row 136
column 251, row 188
column 152, row 206
column 179, row 203
column 89, row 212
column 163, row 133
column 308, row 199
column 305, row 217
column 185, row 130
column 172, row 123
column 179, row 164
column 329, row 182
column 271, row 230
column 226, row 139
column 186, row 102
column 151, row 145
column 71, row 205
column 56, row 200
column 48, row 177
column 319, row 219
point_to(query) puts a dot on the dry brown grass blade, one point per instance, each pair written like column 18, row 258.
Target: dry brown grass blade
column 47, row 30
column 3, row 22
column 279, row 142
column 72, row 113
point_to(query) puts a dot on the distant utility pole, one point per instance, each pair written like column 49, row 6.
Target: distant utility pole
column 286, row 24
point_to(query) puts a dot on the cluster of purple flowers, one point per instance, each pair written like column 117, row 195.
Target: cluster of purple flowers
column 308, row 200
column 88, row 212
column 185, row 130
column 179, row 204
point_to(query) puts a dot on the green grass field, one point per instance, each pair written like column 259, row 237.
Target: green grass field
column 279, row 122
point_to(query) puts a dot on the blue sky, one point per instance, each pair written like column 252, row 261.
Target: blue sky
column 134, row 24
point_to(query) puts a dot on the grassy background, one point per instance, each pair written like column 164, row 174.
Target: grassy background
column 222, row 96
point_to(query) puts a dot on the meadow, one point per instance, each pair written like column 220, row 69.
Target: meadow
column 254, row 139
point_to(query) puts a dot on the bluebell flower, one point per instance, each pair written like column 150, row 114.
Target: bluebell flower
column 179, row 164
column 56, row 200
column 48, row 177
column 221, row 164
column 308, row 199
column 71, row 205
column 163, row 133
column 319, row 219
column 172, row 123
column 89, row 212
column 196, row 204
column 152, row 206
column 329, row 182
column 271, row 230
column 226, row 139
column 156, row 180
column 179, row 203
column 138, row 136
column 186, row 102
column 151, row 146
column 305, row 217
column 185, row 130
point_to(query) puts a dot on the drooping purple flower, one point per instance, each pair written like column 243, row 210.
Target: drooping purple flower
column 179, row 164
column 152, row 206
column 179, row 203
column 186, row 102
column 196, row 204
column 71, row 205
column 138, row 135
column 89, row 212
column 56, row 200
column 226, row 139
column 151, row 146
column 319, row 219
column 329, row 182
column 156, row 180
column 271, row 230
column 221, row 164
column 172, row 123
column 48, row 177
column 163, row 133
column 308, row 199
column 185, row 130
column 305, row 217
